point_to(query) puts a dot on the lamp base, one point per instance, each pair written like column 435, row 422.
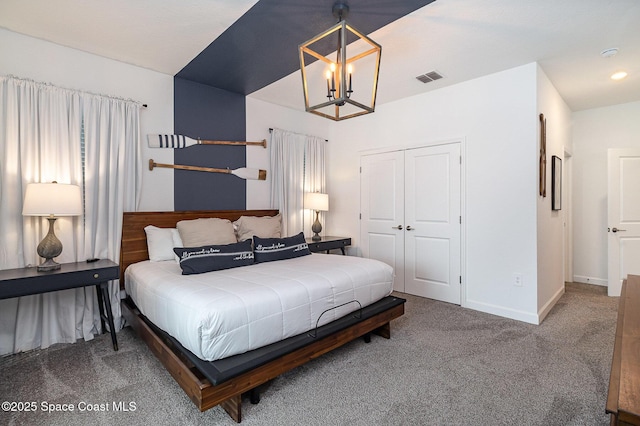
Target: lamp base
column 316, row 228
column 49, row 247
column 48, row 265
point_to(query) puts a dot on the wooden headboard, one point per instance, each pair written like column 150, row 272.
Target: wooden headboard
column 133, row 247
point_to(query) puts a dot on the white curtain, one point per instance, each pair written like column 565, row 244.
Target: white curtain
column 112, row 179
column 297, row 166
column 41, row 130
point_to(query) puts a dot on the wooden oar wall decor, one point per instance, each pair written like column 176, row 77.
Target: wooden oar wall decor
column 181, row 141
column 242, row 172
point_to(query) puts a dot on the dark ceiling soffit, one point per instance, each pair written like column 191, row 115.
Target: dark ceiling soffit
column 261, row 47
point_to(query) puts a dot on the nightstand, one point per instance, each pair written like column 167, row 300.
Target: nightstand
column 25, row 281
column 328, row 243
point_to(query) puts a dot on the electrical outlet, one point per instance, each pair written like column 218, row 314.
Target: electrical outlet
column 517, row 280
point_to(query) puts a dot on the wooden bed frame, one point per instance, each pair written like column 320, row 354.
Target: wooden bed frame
column 227, row 394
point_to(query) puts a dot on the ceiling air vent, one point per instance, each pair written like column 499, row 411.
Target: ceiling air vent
column 430, row 76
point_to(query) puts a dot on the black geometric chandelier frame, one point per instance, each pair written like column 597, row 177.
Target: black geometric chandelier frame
column 340, row 103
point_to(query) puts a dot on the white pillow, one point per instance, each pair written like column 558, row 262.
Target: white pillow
column 160, row 243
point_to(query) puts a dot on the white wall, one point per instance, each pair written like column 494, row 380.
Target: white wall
column 35, row 59
column 261, row 116
column 496, row 116
column 594, row 132
column 550, row 250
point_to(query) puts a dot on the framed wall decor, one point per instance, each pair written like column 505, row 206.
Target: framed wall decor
column 556, row 183
column 543, row 157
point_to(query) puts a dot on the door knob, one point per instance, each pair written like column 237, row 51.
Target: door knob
column 397, row 227
column 617, row 230
column 409, row 228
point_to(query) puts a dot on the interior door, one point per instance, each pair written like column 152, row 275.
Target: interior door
column 432, row 222
column 623, row 216
column 382, row 211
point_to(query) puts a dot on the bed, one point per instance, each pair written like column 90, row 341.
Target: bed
column 289, row 317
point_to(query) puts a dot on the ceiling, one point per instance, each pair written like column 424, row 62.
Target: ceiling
column 269, row 34
column 254, row 42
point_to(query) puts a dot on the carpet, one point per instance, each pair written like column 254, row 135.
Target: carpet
column 443, row 365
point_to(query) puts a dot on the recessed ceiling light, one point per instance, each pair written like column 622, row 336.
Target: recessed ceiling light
column 607, row 53
column 618, row 75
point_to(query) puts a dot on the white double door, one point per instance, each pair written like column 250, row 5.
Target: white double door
column 411, row 215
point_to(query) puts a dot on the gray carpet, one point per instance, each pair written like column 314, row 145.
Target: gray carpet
column 443, row 365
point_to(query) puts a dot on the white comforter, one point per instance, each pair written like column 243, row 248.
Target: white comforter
column 223, row 313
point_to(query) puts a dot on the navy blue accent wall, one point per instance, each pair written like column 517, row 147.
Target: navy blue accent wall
column 205, row 112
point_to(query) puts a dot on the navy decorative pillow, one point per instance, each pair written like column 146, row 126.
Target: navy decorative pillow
column 196, row 260
column 268, row 249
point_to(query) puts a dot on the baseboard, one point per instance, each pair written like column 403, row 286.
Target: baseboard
column 501, row 311
column 542, row 313
column 590, row 280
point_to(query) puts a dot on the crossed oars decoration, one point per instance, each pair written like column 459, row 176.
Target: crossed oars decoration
column 180, row 141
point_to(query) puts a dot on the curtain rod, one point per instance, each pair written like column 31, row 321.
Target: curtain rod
column 13, row 77
column 271, row 130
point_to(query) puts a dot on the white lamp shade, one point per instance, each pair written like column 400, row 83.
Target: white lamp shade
column 316, row 201
column 57, row 199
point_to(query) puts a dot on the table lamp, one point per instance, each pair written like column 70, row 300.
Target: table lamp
column 318, row 202
column 51, row 200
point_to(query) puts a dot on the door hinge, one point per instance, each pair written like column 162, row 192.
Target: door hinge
column 460, row 217
column 360, row 169
column 460, row 279
column 360, row 216
column 461, row 159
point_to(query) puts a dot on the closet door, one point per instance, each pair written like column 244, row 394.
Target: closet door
column 432, row 222
column 382, row 211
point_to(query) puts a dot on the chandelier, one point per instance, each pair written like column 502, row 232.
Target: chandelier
column 345, row 86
